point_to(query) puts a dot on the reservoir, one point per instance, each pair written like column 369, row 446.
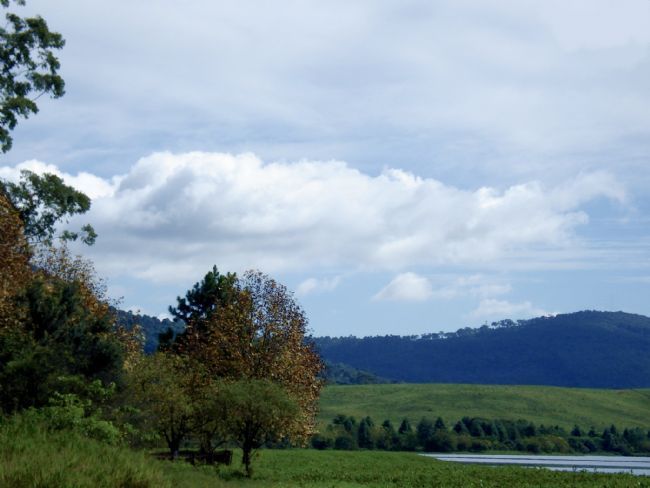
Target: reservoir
column 598, row 464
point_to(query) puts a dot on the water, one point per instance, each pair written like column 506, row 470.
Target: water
column 598, row 464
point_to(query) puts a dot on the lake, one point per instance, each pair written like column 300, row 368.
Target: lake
column 599, row 464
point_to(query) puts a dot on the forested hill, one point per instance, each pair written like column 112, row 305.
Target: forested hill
column 582, row 349
column 151, row 326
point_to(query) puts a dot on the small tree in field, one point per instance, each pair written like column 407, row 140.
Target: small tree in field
column 255, row 412
column 158, row 385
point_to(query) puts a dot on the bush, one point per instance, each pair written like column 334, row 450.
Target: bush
column 319, row 441
column 70, row 413
column 345, row 443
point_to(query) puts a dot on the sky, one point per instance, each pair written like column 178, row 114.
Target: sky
column 403, row 167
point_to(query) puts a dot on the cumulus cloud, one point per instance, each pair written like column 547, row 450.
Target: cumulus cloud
column 501, row 309
column 172, row 215
column 93, row 186
column 406, row 287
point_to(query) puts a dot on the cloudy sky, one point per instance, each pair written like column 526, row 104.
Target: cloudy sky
column 405, row 167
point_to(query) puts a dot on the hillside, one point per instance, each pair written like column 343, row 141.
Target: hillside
column 151, row 326
column 582, row 349
column 539, row 404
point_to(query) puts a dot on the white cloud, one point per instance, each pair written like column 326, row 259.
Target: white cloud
column 314, row 285
column 173, row 215
column 406, row 287
column 503, row 309
column 93, row 186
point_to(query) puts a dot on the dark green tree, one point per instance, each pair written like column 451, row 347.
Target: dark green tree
column 364, row 434
column 405, row 427
column 62, row 336
column 29, row 69
column 388, row 437
column 424, row 430
column 460, row 428
column 205, row 297
column 577, row 432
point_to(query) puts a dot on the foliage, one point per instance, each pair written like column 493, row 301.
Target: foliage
column 66, row 330
column 42, row 201
column 259, row 333
column 343, row 374
column 14, row 263
column 254, row 413
column 478, row 434
column 576, row 348
column 69, row 412
column 149, row 327
column 159, row 387
column 29, row 69
column 32, row 453
column 204, row 298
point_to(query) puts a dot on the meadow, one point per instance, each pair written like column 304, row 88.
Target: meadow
column 540, row 404
column 67, row 460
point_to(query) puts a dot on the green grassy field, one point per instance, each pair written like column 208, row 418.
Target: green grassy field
column 31, row 457
column 320, row 469
column 540, row 404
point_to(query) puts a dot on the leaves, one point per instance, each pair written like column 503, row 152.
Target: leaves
column 42, row 201
column 260, row 333
column 28, row 69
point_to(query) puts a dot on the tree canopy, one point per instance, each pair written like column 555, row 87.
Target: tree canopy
column 42, row 201
column 260, row 332
column 29, row 69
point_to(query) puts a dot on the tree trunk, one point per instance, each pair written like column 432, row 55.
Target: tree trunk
column 174, row 445
column 246, row 459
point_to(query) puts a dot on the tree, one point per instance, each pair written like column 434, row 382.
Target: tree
column 14, row 262
column 424, row 430
column 159, row 387
column 257, row 333
column 42, row 201
column 365, row 435
column 29, row 69
column 65, row 330
column 255, row 412
column 204, row 298
column 405, row 427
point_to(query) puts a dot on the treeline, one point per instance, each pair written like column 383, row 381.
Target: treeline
column 475, row 434
column 582, row 349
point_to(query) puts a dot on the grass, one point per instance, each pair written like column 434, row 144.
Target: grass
column 30, row 456
column 540, row 404
column 320, row 469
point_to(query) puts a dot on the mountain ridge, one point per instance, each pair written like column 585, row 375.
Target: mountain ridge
column 589, row 348
column 581, row 349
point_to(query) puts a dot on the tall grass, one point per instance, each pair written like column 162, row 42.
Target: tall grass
column 32, row 456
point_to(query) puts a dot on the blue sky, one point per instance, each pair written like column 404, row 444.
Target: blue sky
column 404, row 167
